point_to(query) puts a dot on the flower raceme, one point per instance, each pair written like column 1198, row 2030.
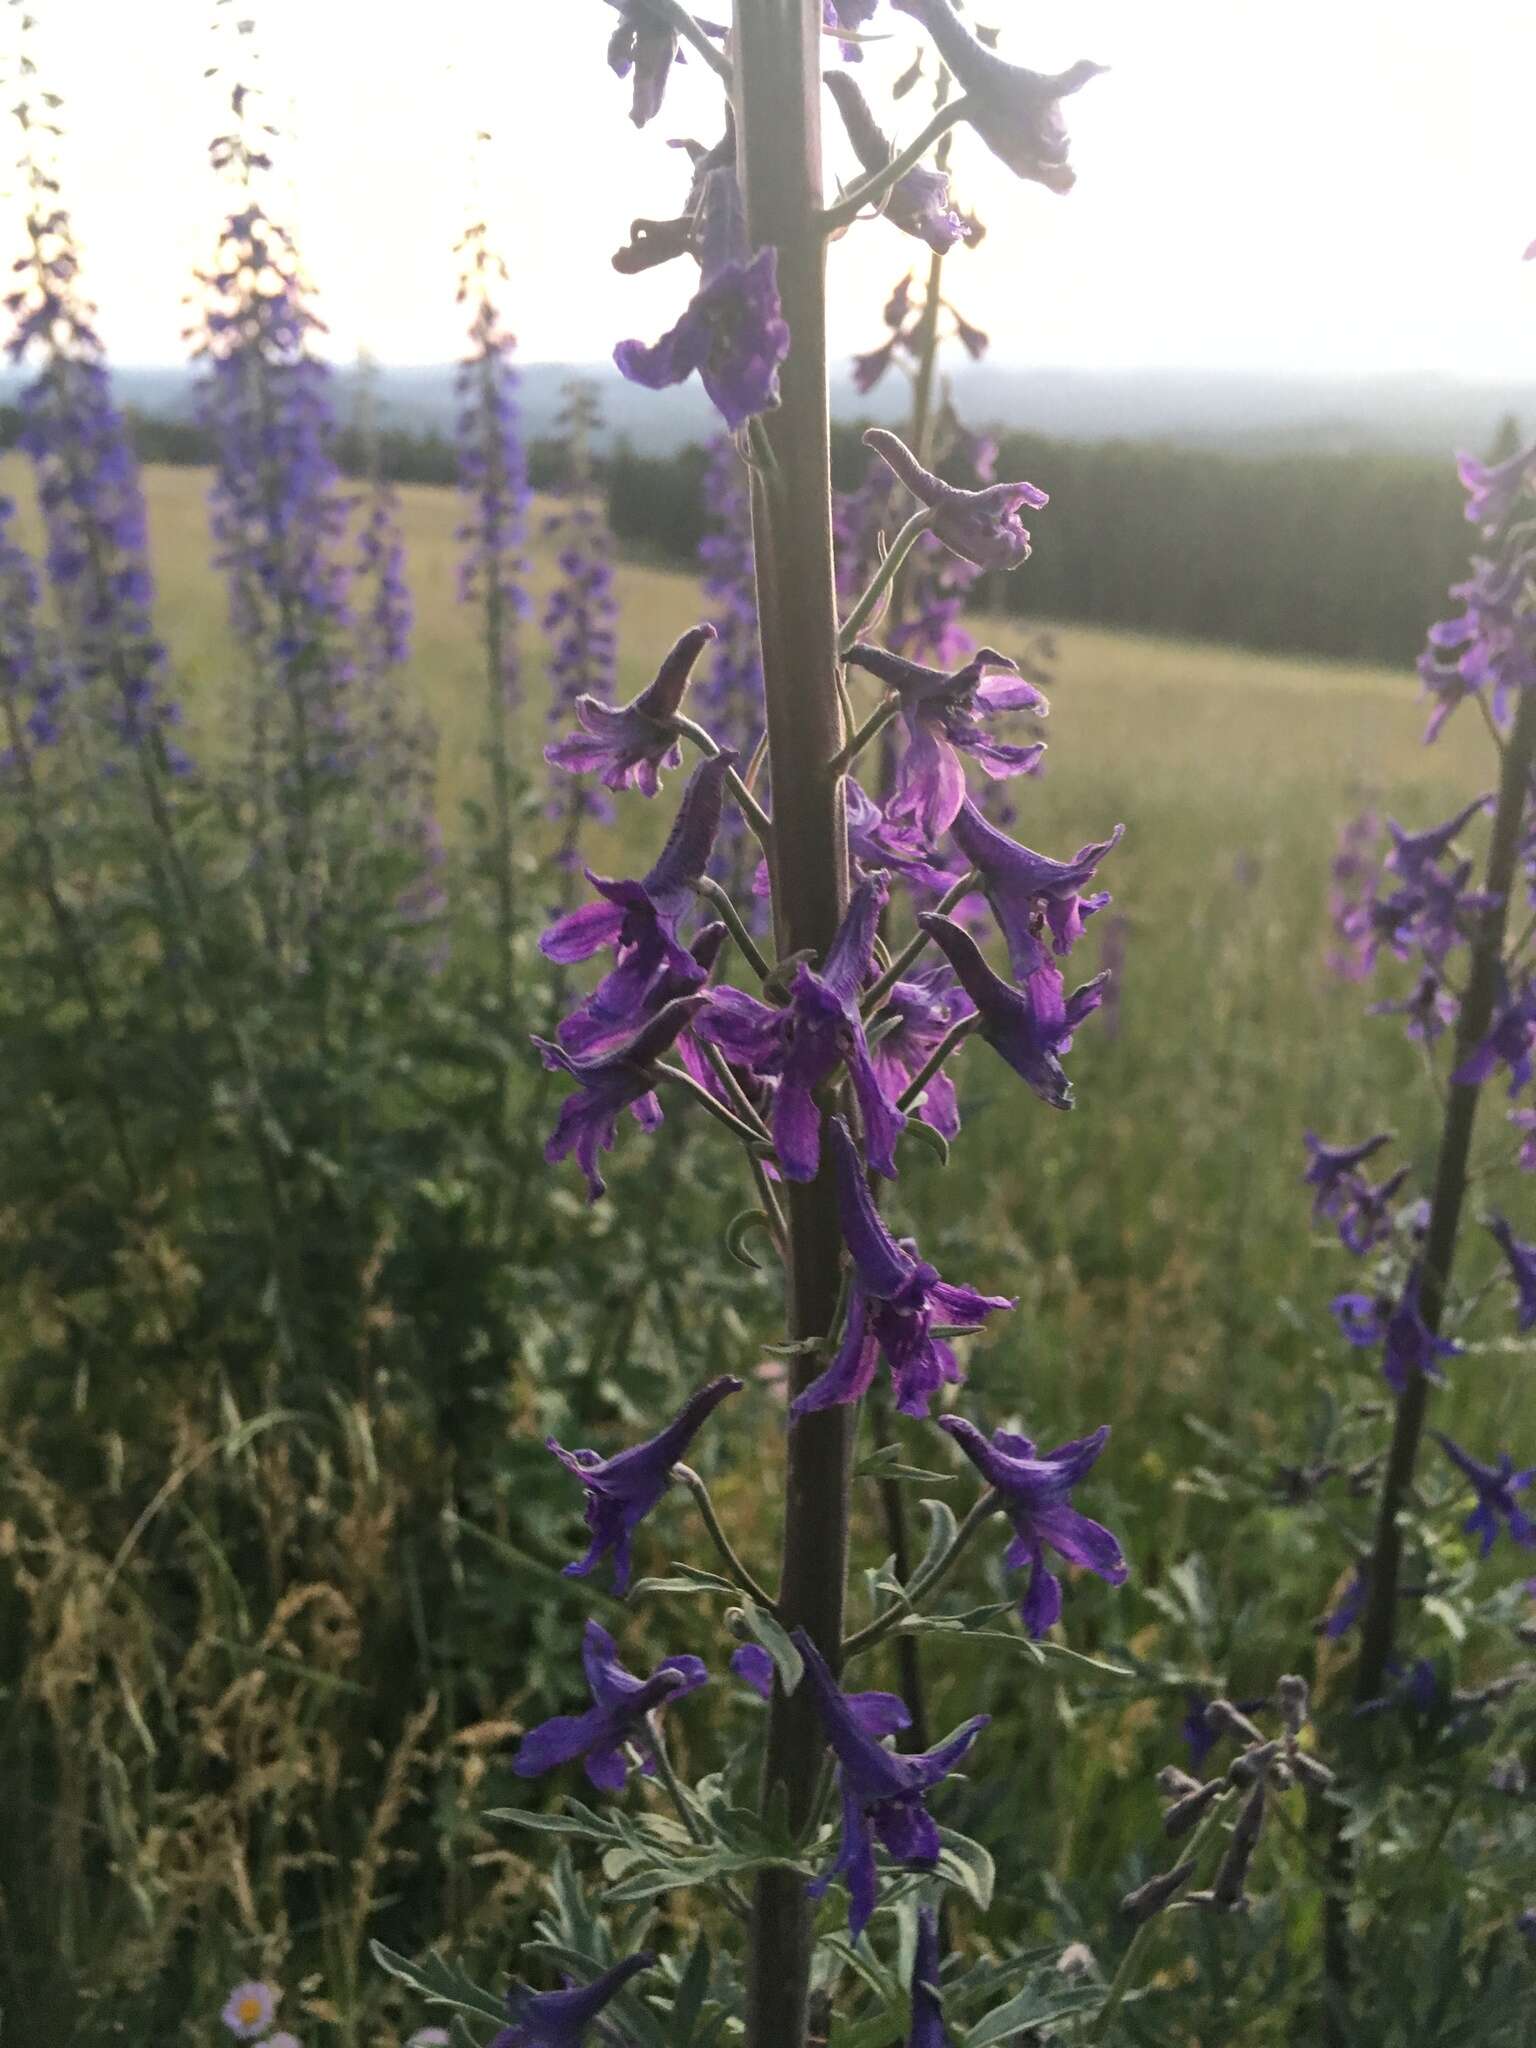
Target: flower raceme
column 1495, row 1487
column 629, row 744
column 620, row 1705
column 894, row 1301
column 563, row 2019
column 622, row 1490
column 881, row 1791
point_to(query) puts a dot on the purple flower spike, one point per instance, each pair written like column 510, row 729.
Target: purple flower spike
column 1036, row 1497
column 1017, row 113
column 980, row 526
column 882, row 1793
column 733, row 332
column 939, row 713
column 607, row 1083
column 928, row 2029
column 631, row 743
column 1510, row 1039
column 642, row 44
column 620, row 1703
column 1522, row 1266
column 804, row 1043
column 1496, row 1487
column 1030, row 1027
column 893, row 1303
column 561, row 2019
column 918, row 203
column 622, row 1490
column 1027, row 889
column 924, row 1008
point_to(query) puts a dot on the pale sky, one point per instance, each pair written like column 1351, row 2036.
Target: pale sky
column 1335, row 185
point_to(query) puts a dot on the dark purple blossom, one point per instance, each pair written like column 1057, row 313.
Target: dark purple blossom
column 1348, row 1608
column 1494, row 488
column 913, row 1021
column 1511, row 1037
column 1199, row 1736
column 1362, row 1318
column 617, row 1715
column 1016, row 112
column 878, row 841
column 622, row 1490
column 894, row 1300
column 1414, row 852
column 1496, row 638
column 981, row 526
column 752, row 1664
column 1030, row 1027
column 1334, row 1169
column 645, row 47
column 631, row 743
column 928, row 2029
column 1429, row 1007
column 1495, row 1487
column 1410, row 1346
column 918, row 203
column 608, row 1083
column 939, row 713
column 1032, row 896
column 562, row 2019
column 802, row 1044
column 881, row 1791
column 1522, row 1266
column 733, row 332
column 1035, row 1492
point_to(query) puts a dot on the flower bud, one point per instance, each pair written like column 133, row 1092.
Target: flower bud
column 1252, row 1766
column 1150, row 1898
column 1291, row 1703
column 1185, row 1812
column 1227, row 1720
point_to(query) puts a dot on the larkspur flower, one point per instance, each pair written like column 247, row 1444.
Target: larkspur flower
column 918, row 203
column 1199, row 1736
column 1494, row 488
column 1362, row 1318
column 640, row 920
column 620, row 1704
column 563, row 2019
column 1032, row 896
column 733, row 331
column 876, row 840
column 629, row 744
column 881, row 1792
column 939, row 713
column 1333, row 1170
column 1491, row 644
column 609, row 1082
column 1510, row 1041
column 1414, row 852
column 981, row 526
column 1522, row 1266
column 928, row 2029
column 1348, row 1608
column 622, row 1490
column 643, row 46
column 802, row 1044
column 894, row 1300
column 1495, row 1487
column 1030, row 1027
column 1429, row 1008
column 1035, row 1490
column 913, row 1020
column 1366, row 1219
column 1410, row 1345
column 249, row 2010
column 752, row 1664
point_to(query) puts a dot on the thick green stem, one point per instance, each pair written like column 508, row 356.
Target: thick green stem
column 777, row 52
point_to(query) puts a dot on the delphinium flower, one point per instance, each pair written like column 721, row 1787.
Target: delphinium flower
column 848, row 15
column 939, row 713
column 802, row 1044
column 982, row 526
column 928, row 2029
column 1034, row 1490
column 643, row 47
column 918, row 203
column 895, row 1300
column 1522, row 1266
column 629, row 744
column 564, row 2019
column 1037, row 901
column 622, row 1490
column 1409, row 1346
column 881, row 1792
column 1495, row 1487
column 607, row 1082
column 752, row 1664
column 580, row 612
column 249, row 2010
column 621, row 1704
column 1016, row 112
column 1031, row 1027
column 1354, row 876
column 1348, row 1608
column 1334, row 1170
column 916, row 1016
column 88, row 489
column 733, row 332
column 1510, row 1041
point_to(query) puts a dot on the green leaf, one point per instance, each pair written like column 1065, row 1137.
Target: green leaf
column 687, row 1579
column 1032, row 2008
column 691, row 1993
column 440, row 1983
column 581, row 1821
column 965, row 1863
column 943, row 1528
column 774, row 1637
column 886, row 1463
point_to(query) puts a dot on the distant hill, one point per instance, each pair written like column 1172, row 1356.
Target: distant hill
column 1234, row 410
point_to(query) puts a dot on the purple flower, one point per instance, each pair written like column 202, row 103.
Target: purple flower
column 1030, row 1027
column 928, row 2029
column 754, row 1667
column 622, row 1490
column 631, row 743
column 980, row 526
column 878, row 841
column 1366, row 1220
column 1495, row 1487
column 561, row 2019
column 803, row 1044
column 620, row 1704
column 1413, row 852
column 1493, row 488
column 1035, row 1493
column 609, row 1082
column 1333, row 1169
column 869, row 368
column 1362, row 1318
column 1200, row 1737
column 1511, row 1036
column 249, row 2010
column 640, row 921
column 1349, row 1607
column 1522, row 1266
column 882, row 1792
column 893, row 1303
column 1429, row 1007
column 645, row 45
column 918, row 203
column 1411, row 1346
column 1017, row 113
column 939, row 713
column 1027, row 890
column 733, row 332
column 912, row 1024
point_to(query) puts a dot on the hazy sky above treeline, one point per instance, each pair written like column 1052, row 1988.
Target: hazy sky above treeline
column 1332, row 185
